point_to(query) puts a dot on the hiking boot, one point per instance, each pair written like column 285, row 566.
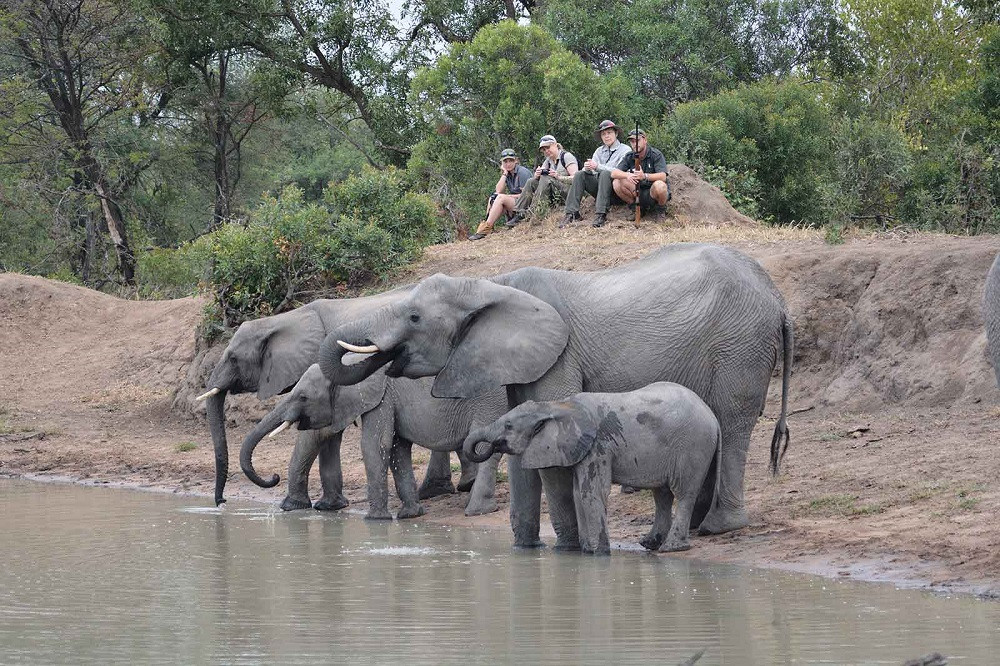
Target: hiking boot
column 477, row 236
column 513, row 221
column 569, row 219
column 482, row 231
column 599, row 220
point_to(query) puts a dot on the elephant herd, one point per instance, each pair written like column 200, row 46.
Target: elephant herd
column 651, row 374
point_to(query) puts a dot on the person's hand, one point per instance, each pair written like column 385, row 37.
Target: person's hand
column 637, row 176
column 590, row 165
column 538, row 172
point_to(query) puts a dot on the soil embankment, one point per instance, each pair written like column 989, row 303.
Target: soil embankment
column 890, row 474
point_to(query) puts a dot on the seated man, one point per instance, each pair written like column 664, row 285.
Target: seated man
column 513, row 176
column 595, row 177
column 551, row 180
column 649, row 181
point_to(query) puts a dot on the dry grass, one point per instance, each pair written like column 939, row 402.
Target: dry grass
column 124, row 394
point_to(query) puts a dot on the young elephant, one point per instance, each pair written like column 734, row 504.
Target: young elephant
column 661, row 437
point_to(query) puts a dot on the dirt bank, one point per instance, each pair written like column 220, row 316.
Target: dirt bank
column 890, row 475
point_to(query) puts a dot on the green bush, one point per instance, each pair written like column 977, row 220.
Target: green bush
column 173, row 273
column 292, row 250
column 776, row 136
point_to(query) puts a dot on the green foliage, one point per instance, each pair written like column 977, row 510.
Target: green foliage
column 506, row 88
column 174, row 273
column 291, row 248
column 776, row 135
column 184, row 447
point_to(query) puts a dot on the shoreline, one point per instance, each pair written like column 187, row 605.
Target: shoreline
column 878, row 571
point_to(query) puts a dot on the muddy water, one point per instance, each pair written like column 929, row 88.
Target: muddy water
column 99, row 575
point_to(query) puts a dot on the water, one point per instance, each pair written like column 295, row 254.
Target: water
column 99, row 575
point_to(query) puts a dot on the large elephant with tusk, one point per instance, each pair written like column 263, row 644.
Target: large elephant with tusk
column 703, row 316
column 991, row 315
column 268, row 356
column 395, row 413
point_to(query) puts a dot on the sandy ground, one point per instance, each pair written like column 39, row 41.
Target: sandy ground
column 891, row 474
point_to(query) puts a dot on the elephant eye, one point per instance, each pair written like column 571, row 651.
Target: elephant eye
column 508, row 426
column 414, row 318
column 538, row 428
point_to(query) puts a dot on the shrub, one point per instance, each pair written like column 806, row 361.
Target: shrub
column 174, row 272
column 292, row 250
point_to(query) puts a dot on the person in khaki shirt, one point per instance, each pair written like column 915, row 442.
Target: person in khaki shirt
column 551, row 180
column 595, row 177
column 513, row 177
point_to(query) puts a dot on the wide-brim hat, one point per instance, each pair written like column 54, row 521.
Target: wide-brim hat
column 546, row 140
column 607, row 124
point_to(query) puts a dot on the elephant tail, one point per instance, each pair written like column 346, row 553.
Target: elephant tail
column 718, row 465
column 781, row 427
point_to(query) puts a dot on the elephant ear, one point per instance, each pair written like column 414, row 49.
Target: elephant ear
column 289, row 351
column 564, row 443
column 508, row 337
column 350, row 402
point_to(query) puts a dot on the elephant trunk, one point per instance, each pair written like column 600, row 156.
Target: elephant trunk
column 331, row 356
column 471, row 445
column 216, row 411
column 266, row 425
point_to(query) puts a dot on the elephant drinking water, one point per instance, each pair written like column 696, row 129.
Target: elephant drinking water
column 703, row 316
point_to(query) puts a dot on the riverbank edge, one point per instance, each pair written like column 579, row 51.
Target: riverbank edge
column 884, row 570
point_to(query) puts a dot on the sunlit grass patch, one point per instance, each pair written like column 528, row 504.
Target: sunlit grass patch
column 183, row 447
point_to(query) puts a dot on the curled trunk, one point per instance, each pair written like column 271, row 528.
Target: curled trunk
column 331, row 356
column 267, row 424
column 475, row 438
column 215, row 410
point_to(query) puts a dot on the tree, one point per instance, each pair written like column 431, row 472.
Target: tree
column 86, row 58
column 506, row 88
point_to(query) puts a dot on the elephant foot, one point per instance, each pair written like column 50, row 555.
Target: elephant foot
column 602, row 550
column 412, row 511
column 675, row 545
column 294, row 504
column 480, row 507
column 435, row 487
column 465, row 483
column 335, row 504
column 378, row 514
column 651, row 541
column 527, row 544
column 628, row 490
column 567, row 545
column 720, row 520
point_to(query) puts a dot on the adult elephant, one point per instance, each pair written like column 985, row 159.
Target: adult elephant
column 268, row 356
column 991, row 314
column 395, row 413
column 703, row 316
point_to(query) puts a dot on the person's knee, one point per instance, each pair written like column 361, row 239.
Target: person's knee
column 659, row 191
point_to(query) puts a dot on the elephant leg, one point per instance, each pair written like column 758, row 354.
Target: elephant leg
column 377, row 429
column 330, row 473
column 677, row 537
column 664, row 500
column 482, row 498
column 437, row 478
column 470, row 470
column 729, row 512
column 525, row 503
column 558, row 485
column 406, row 482
column 591, row 487
column 307, row 446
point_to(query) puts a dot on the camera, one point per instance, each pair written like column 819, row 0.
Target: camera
column 545, row 172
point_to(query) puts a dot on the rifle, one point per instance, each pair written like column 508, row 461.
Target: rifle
column 638, row 165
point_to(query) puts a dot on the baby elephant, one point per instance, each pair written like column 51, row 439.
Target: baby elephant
column 661, row 437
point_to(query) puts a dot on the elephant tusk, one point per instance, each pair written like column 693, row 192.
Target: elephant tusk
column 370, row 349
column 283, row 426
column 208, row 394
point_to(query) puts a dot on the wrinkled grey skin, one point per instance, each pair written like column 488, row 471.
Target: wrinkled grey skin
column 268, row 356
column 991, row 315
column 661, row 437
column 395, row 414
column 703, row 316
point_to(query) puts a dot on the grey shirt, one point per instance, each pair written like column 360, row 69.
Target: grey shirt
column 608, row 157
column 564, row 160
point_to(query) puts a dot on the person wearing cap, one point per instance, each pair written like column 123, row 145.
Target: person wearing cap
column 649, row 181
column 551, row 180
column 595, row 177
column 513, row 177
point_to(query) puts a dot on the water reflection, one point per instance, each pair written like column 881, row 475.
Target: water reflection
column 98, row 575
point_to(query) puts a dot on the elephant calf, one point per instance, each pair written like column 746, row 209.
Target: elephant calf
column 662, row 436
